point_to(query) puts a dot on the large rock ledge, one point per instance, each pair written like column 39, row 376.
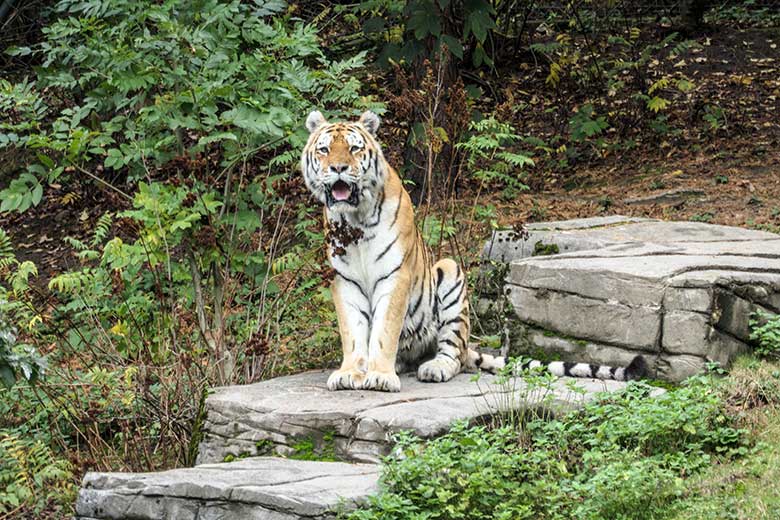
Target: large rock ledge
column 262, row 488
column 679, row 292
column 289, row 414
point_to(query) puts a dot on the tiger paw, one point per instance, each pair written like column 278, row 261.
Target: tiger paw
column 346, row 380
column 438, row 370
column 384, row 381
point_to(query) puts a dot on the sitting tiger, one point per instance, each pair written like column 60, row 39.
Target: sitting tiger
column 397, row 309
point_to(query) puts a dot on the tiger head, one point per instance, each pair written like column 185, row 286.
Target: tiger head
column 342, row 163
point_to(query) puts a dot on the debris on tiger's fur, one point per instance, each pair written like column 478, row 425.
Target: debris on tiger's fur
column 341, row 235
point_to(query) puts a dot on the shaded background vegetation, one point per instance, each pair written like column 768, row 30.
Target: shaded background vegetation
column 156, row 238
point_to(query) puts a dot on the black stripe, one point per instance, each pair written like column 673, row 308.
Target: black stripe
column 453, row 302
column 460, row 337
column 397, row 208
column 350, row 280
column 450, row 343
column 383, row 253
column 478, row 361
column 457, row 319
column 416, row 306
column 567, row 366
column 593, row 369
column 445, row 354
column 417, row 327
column 612, row 371
column 377, row 207
column 386, row 276
column 452, row 289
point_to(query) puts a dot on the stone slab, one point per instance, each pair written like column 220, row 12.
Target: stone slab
column 683, row 290
column 358, row 425
column 587, row 318
column 590, row 234
column 266, row 488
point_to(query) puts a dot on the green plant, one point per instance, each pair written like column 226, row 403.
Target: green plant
column 765, row 332
column 489, row 158
column 32, row 477
column 586, row 124
column 625, row 455
column 706, row 216
column 153, row 81
column 542, row 249
column 715, row 117
column 190, row 112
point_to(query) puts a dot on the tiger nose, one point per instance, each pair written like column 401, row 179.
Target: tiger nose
column 339, row 168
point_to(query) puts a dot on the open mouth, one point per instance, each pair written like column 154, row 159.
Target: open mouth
column 341, row 191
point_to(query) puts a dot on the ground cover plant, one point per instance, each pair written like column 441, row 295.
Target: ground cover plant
column 156, row 239
column 626, row 455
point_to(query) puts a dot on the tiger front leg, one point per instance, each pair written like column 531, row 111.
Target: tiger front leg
column 390, row 303
column 352, row 310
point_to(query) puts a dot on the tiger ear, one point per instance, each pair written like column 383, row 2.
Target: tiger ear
column 370, row 121
column 314, row 121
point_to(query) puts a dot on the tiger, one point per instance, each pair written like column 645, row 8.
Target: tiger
column 397, row 309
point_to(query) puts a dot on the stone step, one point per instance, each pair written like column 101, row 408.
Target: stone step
column 298, row 416
column 680, row 292
column 260, row 488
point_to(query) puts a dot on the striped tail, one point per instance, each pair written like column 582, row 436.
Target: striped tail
column 637, row 369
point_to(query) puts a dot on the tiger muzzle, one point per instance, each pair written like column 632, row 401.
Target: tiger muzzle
column 342, row 192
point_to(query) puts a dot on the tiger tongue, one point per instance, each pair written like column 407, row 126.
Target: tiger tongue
column 341, row 191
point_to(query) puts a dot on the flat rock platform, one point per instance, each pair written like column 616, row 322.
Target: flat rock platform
column 287, row 415
column 602, row 290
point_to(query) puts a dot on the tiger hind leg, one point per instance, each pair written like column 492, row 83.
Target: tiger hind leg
column 452, row 308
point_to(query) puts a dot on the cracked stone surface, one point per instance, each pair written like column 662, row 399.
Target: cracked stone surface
column 260, row 488
column 679, row 292
column 279, row 414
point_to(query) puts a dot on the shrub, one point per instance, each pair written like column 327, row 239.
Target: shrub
column 190, row 112
column 625, row 455
column 765, row 332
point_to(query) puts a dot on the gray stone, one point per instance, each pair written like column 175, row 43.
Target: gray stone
column 588, row 318
column 681, row 290
column 531, row 341
column 666, row 197
column 593, row 234
column 356, row 425
column 264, row 488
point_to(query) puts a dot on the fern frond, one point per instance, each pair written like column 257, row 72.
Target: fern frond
column 102, row 228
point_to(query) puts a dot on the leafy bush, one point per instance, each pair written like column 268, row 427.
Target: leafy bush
column 191, row 113
column 155, row 80
column 765, row 332
column 625, row 455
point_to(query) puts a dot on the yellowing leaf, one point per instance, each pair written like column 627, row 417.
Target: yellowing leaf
column 119, row 329
column 657, row 104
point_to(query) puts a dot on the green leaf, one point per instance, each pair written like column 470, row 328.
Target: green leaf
column 374, row 25
column 7, row 375
column 452, row 43
column 424, row 21
column 657, row 104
